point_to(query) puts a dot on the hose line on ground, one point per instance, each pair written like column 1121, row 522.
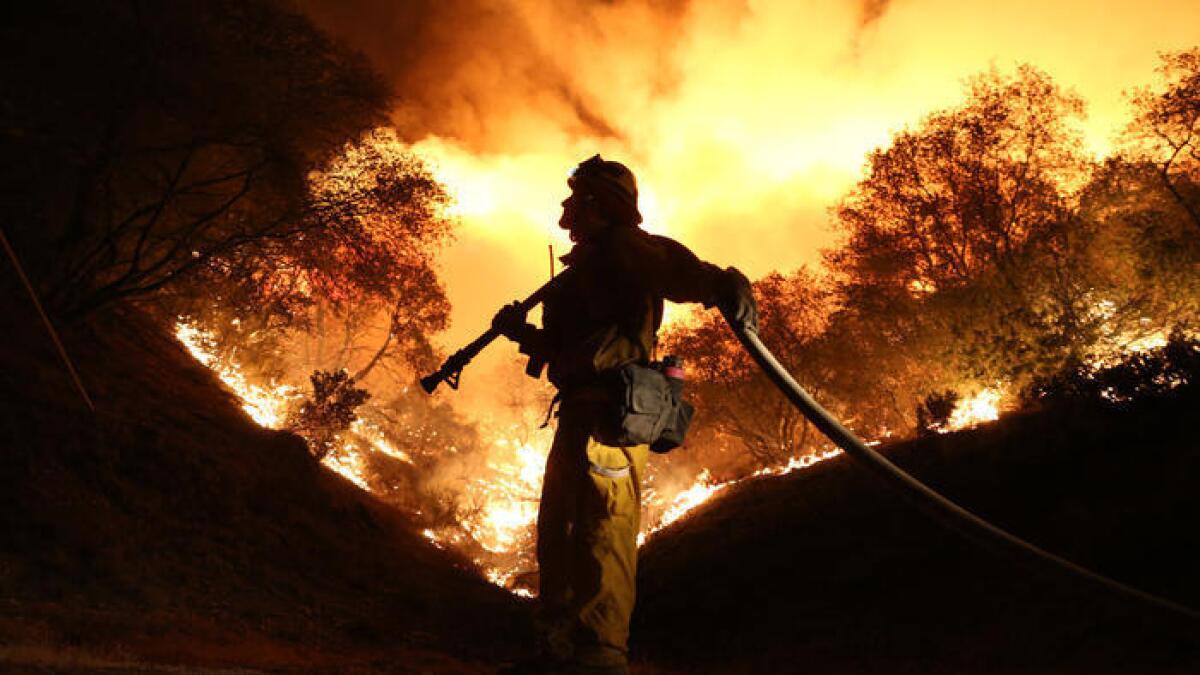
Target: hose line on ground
column 922, row 496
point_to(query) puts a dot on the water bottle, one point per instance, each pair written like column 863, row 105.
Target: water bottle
column 672, row 367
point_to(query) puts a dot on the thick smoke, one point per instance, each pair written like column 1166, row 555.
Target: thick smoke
column 871, row 10
column 510, row 76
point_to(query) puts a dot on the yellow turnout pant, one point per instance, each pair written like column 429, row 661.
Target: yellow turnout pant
column 587, row 541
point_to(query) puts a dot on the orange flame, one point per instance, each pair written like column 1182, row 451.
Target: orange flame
column 975, row 410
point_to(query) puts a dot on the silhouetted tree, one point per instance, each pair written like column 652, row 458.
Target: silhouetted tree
column 1142, row 208
column 1140, row 251
column 146, row 141
column 963, row 192
column 933, row 414
column 1166, row 130
column 354, row 288
column 1134, row 376
column 327, row 411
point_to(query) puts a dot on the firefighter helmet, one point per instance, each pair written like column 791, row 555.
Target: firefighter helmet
column 611, row 184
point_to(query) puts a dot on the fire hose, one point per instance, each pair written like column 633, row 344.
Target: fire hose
column 926, row 499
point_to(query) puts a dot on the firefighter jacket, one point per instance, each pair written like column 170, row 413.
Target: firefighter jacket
column 607, row 311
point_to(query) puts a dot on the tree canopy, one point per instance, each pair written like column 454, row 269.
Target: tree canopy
column 961, row 194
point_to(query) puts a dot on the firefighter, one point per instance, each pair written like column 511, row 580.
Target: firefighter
column 605, row 315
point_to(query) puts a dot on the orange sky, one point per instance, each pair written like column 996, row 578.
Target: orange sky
column 744, row 121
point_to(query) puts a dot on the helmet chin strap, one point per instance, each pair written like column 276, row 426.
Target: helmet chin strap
column 925, row 498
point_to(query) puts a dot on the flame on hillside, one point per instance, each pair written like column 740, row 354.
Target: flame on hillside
column 270, row 405
column 975, row 410
column 499, row 513
column 988, row 403
column 500, row 509
column 704, row 488
column 267, row 405
column 700, row 492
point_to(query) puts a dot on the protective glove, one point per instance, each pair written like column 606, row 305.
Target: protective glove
column 736, row 300
column 510, row 322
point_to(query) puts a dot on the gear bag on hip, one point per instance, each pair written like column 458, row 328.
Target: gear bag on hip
column 644, row 407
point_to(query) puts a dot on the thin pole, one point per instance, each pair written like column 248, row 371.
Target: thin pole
column 62, row 351
column 551, row 248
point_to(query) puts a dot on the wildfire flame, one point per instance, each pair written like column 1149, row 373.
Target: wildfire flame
column 501, row 512
column 767, row 158
column 509, row 504
column 498, row 523
column 378, row 441
column 801, row 462
column 349, row 464
column 269, row 405
column 701, row 491
column 504, row 503
column 975, row 410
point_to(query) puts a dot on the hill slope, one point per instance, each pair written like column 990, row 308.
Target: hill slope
column 827, row 571
column 169, row 529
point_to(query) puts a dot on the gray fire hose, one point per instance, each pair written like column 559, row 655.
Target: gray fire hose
column 924, row 498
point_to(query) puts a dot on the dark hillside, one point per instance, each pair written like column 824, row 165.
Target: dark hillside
column 825, row 571
column 170, row 529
